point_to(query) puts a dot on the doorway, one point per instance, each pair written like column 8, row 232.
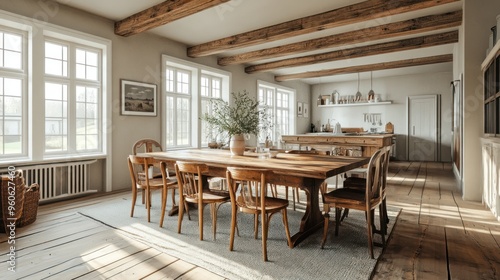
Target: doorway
column 423, row 128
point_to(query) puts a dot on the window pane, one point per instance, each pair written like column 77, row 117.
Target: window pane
column 54, row 143
column 53, row 67
column 13, row 87
column 13, row 106
column 12, row 144
column 80, row 71
column 87, row 118
column 91, row 59
column 53, row 51
column 56, row 123
column 56, row 62
column 91, row 73
column 170, row 121
column 80, row 56
column 13, row 42
column 12, row 60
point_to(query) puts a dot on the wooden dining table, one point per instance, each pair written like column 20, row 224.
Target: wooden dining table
column 304, row 171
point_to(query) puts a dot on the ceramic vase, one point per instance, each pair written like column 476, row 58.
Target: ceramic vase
column 237, row 145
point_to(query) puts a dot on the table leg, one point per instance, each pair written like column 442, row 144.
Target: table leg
column 312, row 219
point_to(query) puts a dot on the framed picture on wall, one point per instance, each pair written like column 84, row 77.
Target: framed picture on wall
column 299, row 109
column 138, row 98
column 305, row 110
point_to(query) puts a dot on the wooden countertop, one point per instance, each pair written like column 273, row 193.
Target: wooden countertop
column 369, row 139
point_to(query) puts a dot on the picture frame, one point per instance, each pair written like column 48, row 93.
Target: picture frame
column 138, row 98
column 305, row 110
column 299, row 109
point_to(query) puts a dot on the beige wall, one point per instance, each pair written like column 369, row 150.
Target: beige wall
column 136, row 58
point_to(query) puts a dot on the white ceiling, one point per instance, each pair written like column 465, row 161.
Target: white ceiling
column 237, row 16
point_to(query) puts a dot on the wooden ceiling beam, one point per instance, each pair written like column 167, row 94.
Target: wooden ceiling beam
column 382, row 48
column 366, row 68
column 161, row 14
column 391, row 30
column 357, row 13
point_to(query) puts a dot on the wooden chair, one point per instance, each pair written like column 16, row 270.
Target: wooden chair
column 252, row 199
column 366, row 201
column 147, row 145
column 141, row 179
column 359, row 183
column 190, row 179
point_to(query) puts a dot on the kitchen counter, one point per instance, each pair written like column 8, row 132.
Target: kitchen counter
column 369, row 142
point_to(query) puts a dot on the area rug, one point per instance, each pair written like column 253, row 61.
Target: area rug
column 345, row 256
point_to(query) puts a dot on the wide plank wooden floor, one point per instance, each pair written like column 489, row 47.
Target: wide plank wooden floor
column 437, row 236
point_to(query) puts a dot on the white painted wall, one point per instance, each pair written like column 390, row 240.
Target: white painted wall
column 397, row 89
column 477, row 21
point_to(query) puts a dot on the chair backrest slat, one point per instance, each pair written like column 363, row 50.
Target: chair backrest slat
column 374, row 178
column 252, row 184
column 189, row 176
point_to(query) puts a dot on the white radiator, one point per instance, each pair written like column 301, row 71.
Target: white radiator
column 58, row 180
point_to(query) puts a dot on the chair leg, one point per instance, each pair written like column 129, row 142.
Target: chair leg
column 134, row 198
column 295, row 195
column 182, row 203
column 234, row 211
column 164, row 195
column 213, row 213
column 338, row 212
column 325, row 228
column 369, row 219
column 287, row 229
column 345, row 215
column 264, row 235
column 256, row 226
column 173, row 198
column 383, row 225
column 200, row 219
column 148, row 203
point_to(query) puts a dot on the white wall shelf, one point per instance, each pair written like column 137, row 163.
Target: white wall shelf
column 357, row 104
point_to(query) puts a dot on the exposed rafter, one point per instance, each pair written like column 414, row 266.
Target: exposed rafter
column 352, row 14
column 391, row 30
column 367, row 68
column 161, row 14
column 382, row 48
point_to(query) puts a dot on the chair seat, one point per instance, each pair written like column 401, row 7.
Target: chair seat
column 272, row 204
column 346, row 196
column 157, row 183
column 208, row 197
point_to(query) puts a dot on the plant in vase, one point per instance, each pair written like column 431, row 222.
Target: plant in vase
column 243, row 116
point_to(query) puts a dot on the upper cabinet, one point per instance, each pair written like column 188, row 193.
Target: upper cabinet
column 491, row 76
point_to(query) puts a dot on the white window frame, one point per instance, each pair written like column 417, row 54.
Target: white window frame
column 21, row 74
column 275, row 137
column 197, row 71
column 35, row 83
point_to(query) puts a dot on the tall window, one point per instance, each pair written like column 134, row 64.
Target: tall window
column 12, row 94
column 178, row 103
column 72, row 98
column 210, row 89
column 278, row 102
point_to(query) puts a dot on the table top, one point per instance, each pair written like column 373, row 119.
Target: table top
column 300, row 165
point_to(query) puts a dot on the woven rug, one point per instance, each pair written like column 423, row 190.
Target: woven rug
column 344, row 257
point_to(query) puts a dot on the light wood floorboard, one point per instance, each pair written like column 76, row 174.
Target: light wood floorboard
column 436, row 236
